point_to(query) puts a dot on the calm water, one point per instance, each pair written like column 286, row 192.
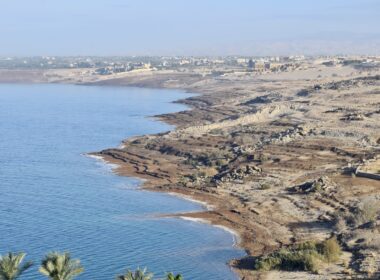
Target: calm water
column 54, row 198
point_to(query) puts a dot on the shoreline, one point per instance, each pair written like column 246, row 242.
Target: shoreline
column 201, row 215
column 247, row 144
column 197, row 216
column 234, row 234
column 206, row 206
column 181, row 215
column 210, row 215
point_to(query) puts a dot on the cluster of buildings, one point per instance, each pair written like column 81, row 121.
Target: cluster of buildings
column 120, row 68
column 271, row 64
column 188, row 63
column 111, row 65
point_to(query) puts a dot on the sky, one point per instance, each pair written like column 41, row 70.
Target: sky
column 188, row 27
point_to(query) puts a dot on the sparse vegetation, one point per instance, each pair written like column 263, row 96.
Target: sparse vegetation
column 57, row 266
column 369, row 210
column 139, row 274
column 11, row 266
column 307, row 256
column 330, row 249
column 265, row 186
column 318, row 187
column 366, row 212
column 171, row 276
column 216, row 131
column 209, row 172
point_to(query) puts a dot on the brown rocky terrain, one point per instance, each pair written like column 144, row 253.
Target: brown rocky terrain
column 280, row 158
column 275, row 156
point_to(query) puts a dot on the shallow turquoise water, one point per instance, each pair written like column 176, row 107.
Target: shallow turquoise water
column 55, row 198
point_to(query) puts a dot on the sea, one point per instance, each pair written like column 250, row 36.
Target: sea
column 54, row 197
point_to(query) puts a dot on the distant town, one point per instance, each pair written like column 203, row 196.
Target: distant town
column 215, row 66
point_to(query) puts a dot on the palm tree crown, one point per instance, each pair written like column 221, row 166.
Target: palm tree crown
column 171, row 276
column 11, row 267
column 58, row 266
column 139, row 274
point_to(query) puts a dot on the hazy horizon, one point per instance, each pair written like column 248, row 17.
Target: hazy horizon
column 196, row 28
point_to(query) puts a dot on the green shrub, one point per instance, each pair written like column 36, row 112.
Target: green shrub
column 306, row 256
column 308, row 245
column 290, row 260
column 318, row 187
column 367, row 211
column 264, row 186
column 221, row 162
column 330, row 249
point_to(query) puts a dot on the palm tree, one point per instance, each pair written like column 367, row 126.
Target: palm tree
column 171, row 276
column 139, row 274
column 11, row 267
column 58, row 266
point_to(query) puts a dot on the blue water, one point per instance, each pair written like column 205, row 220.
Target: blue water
column 52, row 197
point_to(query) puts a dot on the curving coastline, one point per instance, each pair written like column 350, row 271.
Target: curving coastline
column 245, row 143
column 122, row 167
column 215, row 207
column 256, row 147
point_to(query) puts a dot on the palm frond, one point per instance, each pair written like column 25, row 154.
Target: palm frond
column 11, row 266
column 171, row 276
column 139, row 274
column 59, row 266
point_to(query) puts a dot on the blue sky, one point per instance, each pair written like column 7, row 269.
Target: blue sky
column 193, row 27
